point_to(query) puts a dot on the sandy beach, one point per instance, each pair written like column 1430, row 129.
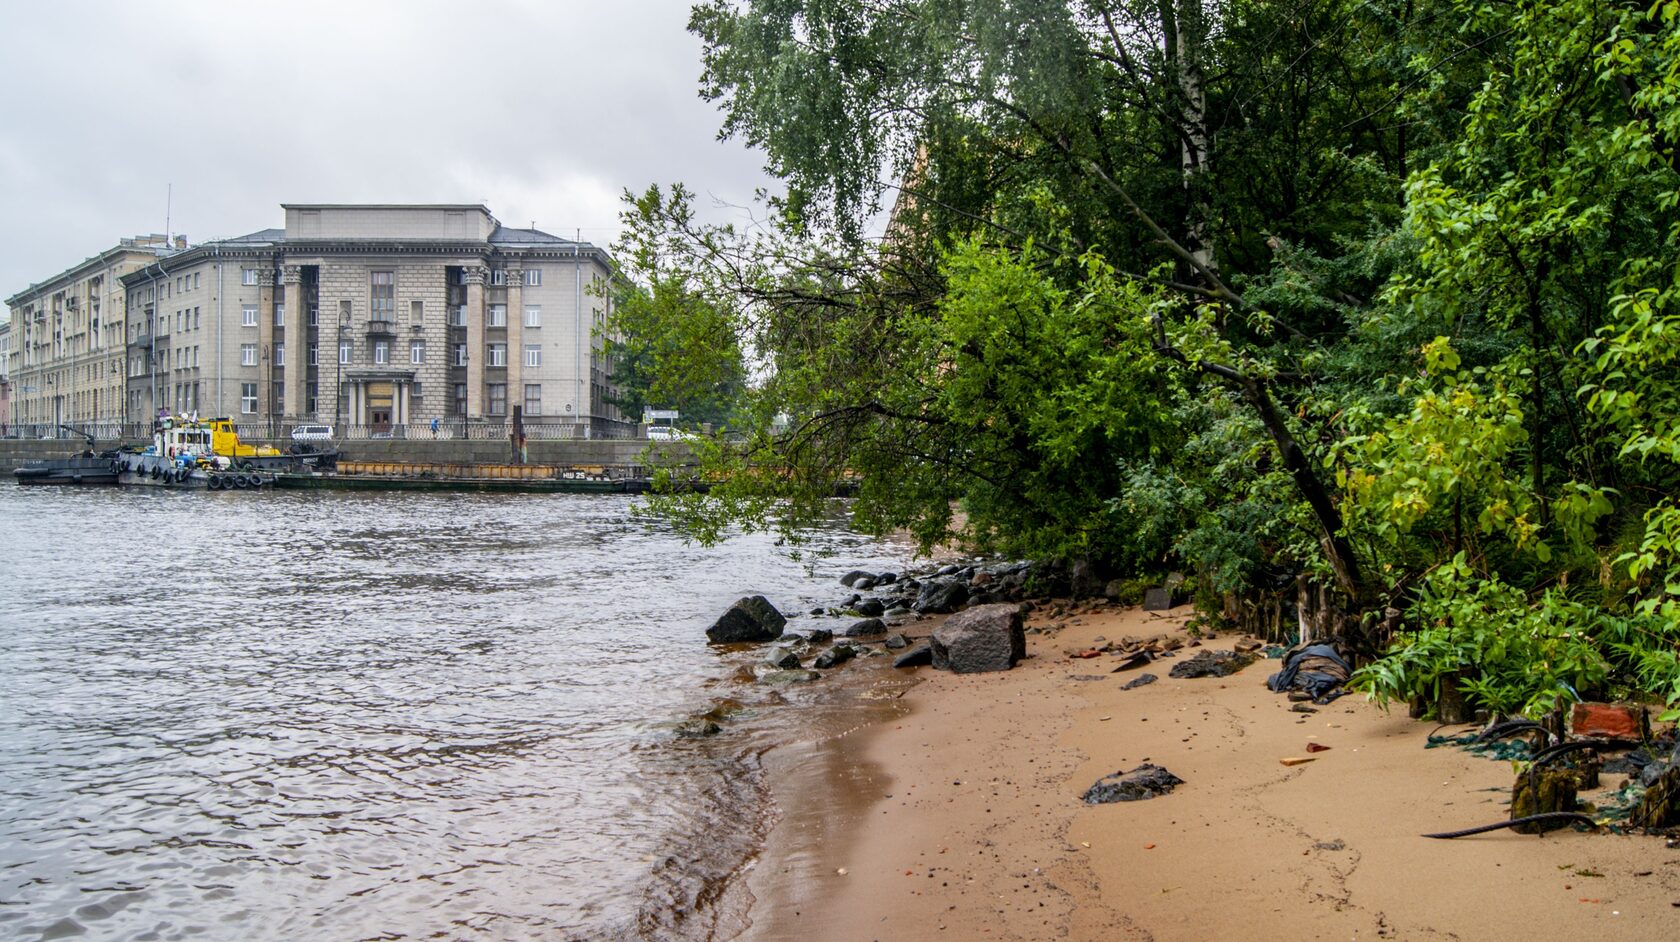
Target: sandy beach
column 962, row 819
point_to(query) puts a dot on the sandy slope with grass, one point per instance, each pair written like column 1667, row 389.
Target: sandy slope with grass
column 962, row 819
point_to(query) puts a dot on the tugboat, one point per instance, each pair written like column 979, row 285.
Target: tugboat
column 183, row 454
column 86, row 468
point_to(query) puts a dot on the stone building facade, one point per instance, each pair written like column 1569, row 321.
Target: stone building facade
column 377, row 319
column 68, row 360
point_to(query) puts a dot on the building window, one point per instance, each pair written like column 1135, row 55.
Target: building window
column 248, row 276
column 498, row 354
column 383, row 302
column 498, row 316
column 414, row 390
column 461, row 276
column 314, row 354
column 343, row 351
column 417, row 351
column 460, row 354
column 196, row 280
column 382, row 352
column 248, row 396
column 195, row 356
column 195, row 319
column 533, row 354
column 417, row 312
column 279, row 354
column 498, row 399
column 458, row 316
column 314, row 316
column 279, row 396
column 533, row 399
column 279, row 315
column 460, row 398
column 248, row 315
column 314, row 398
column 498, row 276
column 533, row 315
column 533, row 277
column 248, row 354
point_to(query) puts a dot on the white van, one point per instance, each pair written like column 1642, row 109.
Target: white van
column 312, row 433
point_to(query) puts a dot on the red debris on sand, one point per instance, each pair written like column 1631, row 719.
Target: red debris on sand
column 1611, row 720
column 1316, row 747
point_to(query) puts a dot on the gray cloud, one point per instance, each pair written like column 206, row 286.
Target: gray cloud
column 545, row 111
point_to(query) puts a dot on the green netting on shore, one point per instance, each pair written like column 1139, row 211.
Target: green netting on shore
column 1504, row 750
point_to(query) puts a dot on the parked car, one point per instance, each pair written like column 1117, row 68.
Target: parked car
column 312, row 433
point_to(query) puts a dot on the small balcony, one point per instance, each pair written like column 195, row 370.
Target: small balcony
column 381, row 329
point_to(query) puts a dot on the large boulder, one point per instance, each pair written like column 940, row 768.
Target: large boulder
column 870, row 608
column 850, row 578
column 941, row 595
column 750, row 619
column 984, row 638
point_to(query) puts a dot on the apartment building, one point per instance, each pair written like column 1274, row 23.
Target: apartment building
column 377, row 319
column 67, row 359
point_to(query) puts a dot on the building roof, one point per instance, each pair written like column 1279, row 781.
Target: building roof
column 505, row 235
column 260, row 236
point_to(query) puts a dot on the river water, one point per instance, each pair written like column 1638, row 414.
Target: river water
column 315, row 715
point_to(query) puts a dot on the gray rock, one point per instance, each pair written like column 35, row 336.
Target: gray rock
column 819, row 636
column 697, row 728
column 851, row 578
column 1157, row 600
column 867, row 582
column 1086, row 579
column 886, row 578
column 898, row 611
column 948, row 570
column 985, row 638
column 942, row 596
column 870, row 608
column 868, row 626
column 1145, row 781
column 896, row 641
column 789, row 677
column 782, row 659
column 1141, row 680
column 917, row 656
column 839, row 654
column 750, row 619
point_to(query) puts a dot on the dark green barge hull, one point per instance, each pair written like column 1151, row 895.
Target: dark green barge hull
column 378, row 482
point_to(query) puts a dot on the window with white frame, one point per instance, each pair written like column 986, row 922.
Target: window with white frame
column 247, row 354
column 248, row 398
column 343, row 351
column 279, row 315
column 498, row 399
column 196, row 321
column 533, row 277
column 415, row 391
column 417, row 351
column 460, row 399
column 196, row 279
column 460, row 357
column 458, row 316
column 279, row 354
column 248, row 315
column 314, row 354
column 498, row 354
column 533, row 315
column 533, row 354
column 314, row 315
column 498, row 316
column 382, row 352
column 248, row 276
column 533, row 399
column 313, row 404
column 382, row 300
column 498, row 276
column 279, row 397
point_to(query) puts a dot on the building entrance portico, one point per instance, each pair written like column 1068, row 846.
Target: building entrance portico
column 378, row 399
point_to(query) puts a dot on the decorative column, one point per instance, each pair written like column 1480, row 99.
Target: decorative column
column 515, row 337
column 265, row 345
column 475, row 340
column 297, row 344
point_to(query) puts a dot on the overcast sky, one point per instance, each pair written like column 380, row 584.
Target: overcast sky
column 543, row 110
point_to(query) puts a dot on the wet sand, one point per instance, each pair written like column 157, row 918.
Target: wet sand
column 962, row 819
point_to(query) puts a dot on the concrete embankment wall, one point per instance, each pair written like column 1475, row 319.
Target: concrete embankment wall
column 14, row 452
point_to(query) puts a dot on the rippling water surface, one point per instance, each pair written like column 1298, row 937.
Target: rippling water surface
column 294, row 715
